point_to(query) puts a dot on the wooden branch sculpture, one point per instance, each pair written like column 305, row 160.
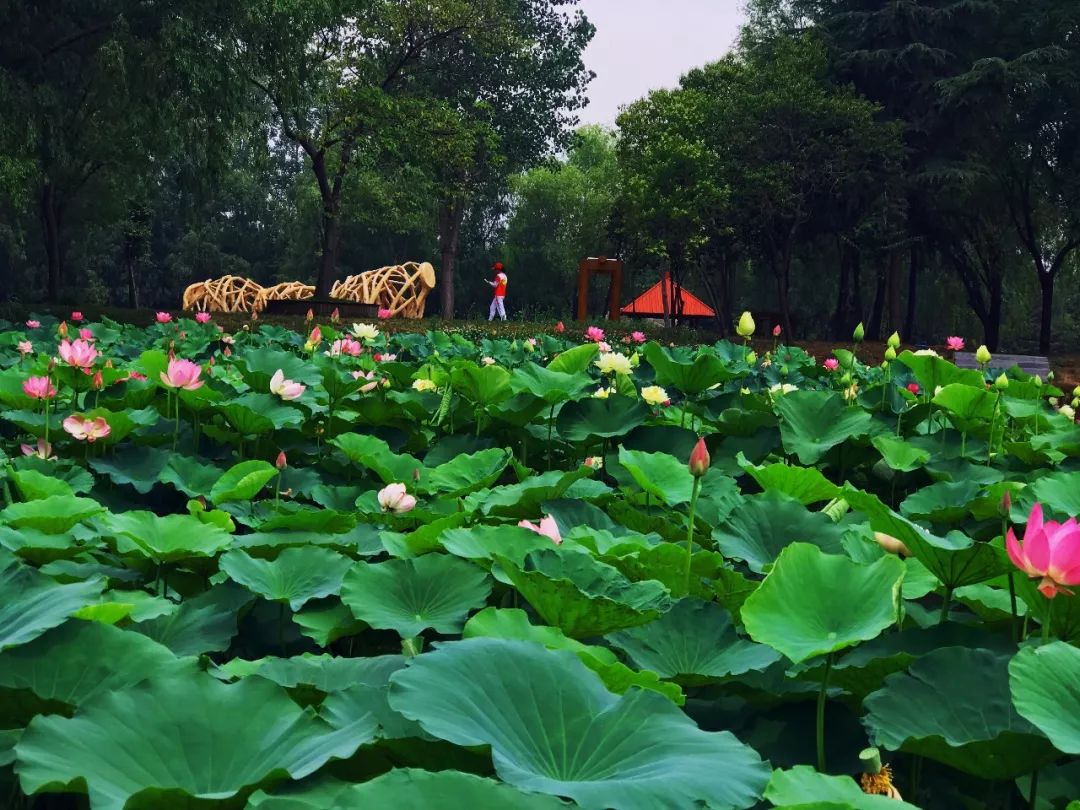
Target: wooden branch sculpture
column 400, row 288
column 225, row 294
column 285, row 291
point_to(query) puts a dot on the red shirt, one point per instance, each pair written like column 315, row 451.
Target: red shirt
column 500, row 285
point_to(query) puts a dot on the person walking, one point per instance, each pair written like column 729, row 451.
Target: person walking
column 497, row 303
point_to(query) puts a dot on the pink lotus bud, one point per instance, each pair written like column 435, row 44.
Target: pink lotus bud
column 913, row 388
column 776, row 331
column 310, row 315
column 86, row 334
column 335, row 316
column 99, row 382
column 281, row 462
column 560, row 328
column 385, row 314
column 77, row 316
column 1006, row 503
column 699, row 459
column 202, row 317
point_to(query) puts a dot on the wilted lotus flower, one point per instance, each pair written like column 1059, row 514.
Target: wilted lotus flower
column 42, row 449
column 547, row 527
column 84, row 429
column 594, row 333
column 202, row 317
column 1050, row 550
column 286, row 389
column 39, row 388
column 78, row 353
column 163, row 317
column 182, row 374
column 954, row 344
column 393, row 498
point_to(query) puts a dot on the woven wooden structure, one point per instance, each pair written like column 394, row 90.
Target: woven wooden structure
column 285, row 291
column 225, row 294
column 400, row 288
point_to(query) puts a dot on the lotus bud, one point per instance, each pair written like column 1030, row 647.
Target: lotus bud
column 859, row 333
column 416, row 475
column 1050, row 376
column 99, row 382
column 776, row 330
column 1076, row 391
column 699, row 459
column 335, row 316
column 751, row 358
column 891, row 544
column 1037, row 380
column 310, row 316
column 890, row 354
column 62, row 330
column 894, row 340
column 1001, row 383
column 982, row 355
column 108, row 364
column 281, row 462
column 746, row 326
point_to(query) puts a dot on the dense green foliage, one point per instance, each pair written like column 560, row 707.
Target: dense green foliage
column 437, row 571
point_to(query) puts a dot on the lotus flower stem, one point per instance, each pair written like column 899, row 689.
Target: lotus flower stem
column 690, row 530
column 411, row 647
column 1033, row 793
column 46, row 401
column 822, row 694
column 551, row 423
column 1012, row 605
column 1048, row 621
column 946, row 604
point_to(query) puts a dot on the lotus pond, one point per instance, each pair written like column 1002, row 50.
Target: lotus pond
column 288, row 571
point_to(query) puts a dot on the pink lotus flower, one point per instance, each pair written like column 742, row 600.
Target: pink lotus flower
column 77, row 316
column 202, row 317
column 228, row 340
column 832, row 364
column 560, row 327
column 776, row 330
column 182, row 374
column 393, row 498
column 954, row 344
column 39, row 388
column 25, row 347
column 913, row 388
column 42, row 449
column 370, row 386
column 86, row 334
column 163, row 317
column 78, row 353
column 547, row 527
column 604, row 347
column 83, row 429
column 1050, row 550
column 346, row 345
column 385, row 314
column 637, row 337
column 531, row 342
column 32, row 324
column 594, row 333
column 286, row 389
column 134, row 375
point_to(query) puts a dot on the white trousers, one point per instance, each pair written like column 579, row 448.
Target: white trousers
column 497, row 306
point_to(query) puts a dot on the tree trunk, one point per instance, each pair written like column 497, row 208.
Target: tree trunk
column 664, row 299
column 51, row 236
column 912, row 292
column 1046, row 281
column 992, row 327
column 782, row 271
column 873, row 328
column 331, row 229
column 839, row 324
column 450, row 218
column 130, row 264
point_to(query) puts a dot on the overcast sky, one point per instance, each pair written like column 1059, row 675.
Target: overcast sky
column 641, row 45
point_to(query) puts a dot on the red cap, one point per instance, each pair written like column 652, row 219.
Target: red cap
column 499, row 266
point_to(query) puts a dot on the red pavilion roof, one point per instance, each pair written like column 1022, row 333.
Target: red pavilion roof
column 650, row 304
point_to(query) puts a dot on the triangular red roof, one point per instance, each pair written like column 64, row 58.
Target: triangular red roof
column 650, row 303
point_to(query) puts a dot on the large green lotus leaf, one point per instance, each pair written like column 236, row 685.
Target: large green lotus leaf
column 55, row 514
column 79, row 660
column 33, row 603
column 966, row 403
column 519, row 411
column 137, row 466
column 326, row 623
column 551, row 386
column 759, row 530
column 666, row 563
column 465, row 474
column 807, row 485
column 553, row 728
column 433, row 591
column 33, row 485
column 943, row 502
column 249, row 413
column 192, row 476
column 407, row 789
column 122, row 423
column 484, row 542
column 259, row 366
column 40, row 548
column 191, row 735
column 804, row 606
column 165, row 539
column 244, row 420
column 242, row 482
column 582, row 596
column 592, row 419
column 375, row 454
column 617, row 677
column 1059, row 492
column 486, row 385
column 1043, row 682
column 574, row 360
column 523, row 500
column 953, row 706
column 705, row 371
column 813, row 422
column 296, row 576
column 205, row 623
column 694, row 642
column 803, row 788
column 662, row 476
column 932, row 372
column 327, row 673
column 900, row 455
column 955, row 559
